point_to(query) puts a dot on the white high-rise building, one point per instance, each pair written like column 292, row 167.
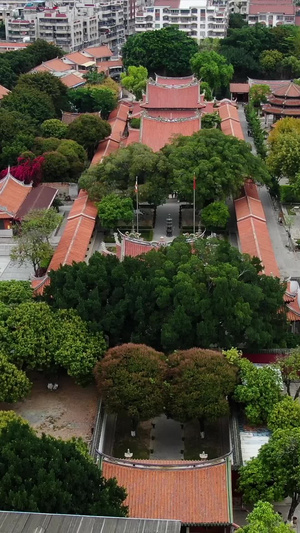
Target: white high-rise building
column 198, row 18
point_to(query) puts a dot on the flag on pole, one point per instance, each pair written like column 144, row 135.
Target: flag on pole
column 194, row 183
column 136, row 188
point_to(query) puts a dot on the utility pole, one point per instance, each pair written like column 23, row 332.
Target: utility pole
column 136, row 188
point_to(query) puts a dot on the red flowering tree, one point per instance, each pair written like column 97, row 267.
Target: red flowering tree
column 29, row 169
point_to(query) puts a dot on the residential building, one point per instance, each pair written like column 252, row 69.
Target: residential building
column 271, row 13
column 239, row 6
column 197, row 18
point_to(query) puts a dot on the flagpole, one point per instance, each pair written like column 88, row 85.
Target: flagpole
column 194, row 205
column 137, row 204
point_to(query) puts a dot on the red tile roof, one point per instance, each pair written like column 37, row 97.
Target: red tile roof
column 253, row 230
column 287, row 112
column 3, row 91
column 164, row 80
column 240, row 88
column 40, row 197
column 172, row 97
column 173, row 4
column 290, row 91
column 56, row 65
column 98, row 51
column 273, row 84
column 11, row 46
column 188, row 491
column 105, row 66
column 133, row 137
column 79, row 59
column 12, row 195
column 172, row 113
column 118, row 121
column 156, row 132
column 132, row 248
column 292, row 303
column 230, row 124
column 75, row 239
column 284, row 7
column 72, row 80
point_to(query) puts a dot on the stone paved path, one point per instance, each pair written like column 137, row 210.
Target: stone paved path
column 167, row 443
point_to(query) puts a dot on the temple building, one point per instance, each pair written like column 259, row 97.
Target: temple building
column 284, row 101
column 196, row 493
column 17, row 199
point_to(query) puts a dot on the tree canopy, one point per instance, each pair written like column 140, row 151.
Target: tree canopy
column 88, row 130
column 32, row 480
column 30, row 101
column 264, row 519
column 219, row 162
column 49, row 84
column 176, row 299
column 32, row 240
column 212, row 68
column 167, row 51
column 259, row 388
column 92, row 99
column 118, row 172
column 130, row 379
column 215, row 215
column 200, row 382
column 54, row 128
column 14, row 385
column 290, row 367
column 285, row 414
column 135, row 80
column 274, row 474
column 114, row 208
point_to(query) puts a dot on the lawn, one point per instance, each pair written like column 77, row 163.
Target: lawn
column 138, row 445
column 215, row 443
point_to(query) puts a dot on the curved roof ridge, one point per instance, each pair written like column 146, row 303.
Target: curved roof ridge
column 152, row 464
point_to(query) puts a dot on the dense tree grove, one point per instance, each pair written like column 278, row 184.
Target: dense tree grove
column 220, row 162
column 48, row 475
column 167, row 51
column 176, row 299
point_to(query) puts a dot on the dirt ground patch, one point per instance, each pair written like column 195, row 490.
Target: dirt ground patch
column 68, row 412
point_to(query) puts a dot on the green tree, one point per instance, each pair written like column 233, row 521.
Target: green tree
column 175, row 298
column 41, row 51
column 259, row 388
column 212, row 68
column 118, row 173
column 284, row 157
column 135, row 80
column 66, row 342
column 200, row 382
column 167, row 51
column 15, row 292
column 46, row 82
column 88, row 131
column 208, row 96
column 33, row 238
column 264, row 519
column 259, row 94
column 70, row 484
column 114, row 208
column 271, row 62
column 54, row 128
column 290, row 368
column 14, row 385
column 210, row 120
column 285, row 414
column 215, row 215
column 56, row 167
column 219, row 162
column 290, row 67
column 236, row 20
column 42, row 145
column 76, row 157
column 93, row 98
column 130, row 379
column 93, row 77
column 6, row 417
column 274, row 474
column 29, row 101
column 16, row 130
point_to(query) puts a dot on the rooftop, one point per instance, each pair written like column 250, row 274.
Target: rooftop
column 40, row 197
column 3, row 91
column 14, row 522
column 190, row 491
column 12, row 195
column 98, row 52
column 172, row 96
column 156, row 132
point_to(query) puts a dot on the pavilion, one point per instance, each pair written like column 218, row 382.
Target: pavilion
column 284, row 101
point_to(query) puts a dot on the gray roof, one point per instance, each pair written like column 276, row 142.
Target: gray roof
column 18, row 522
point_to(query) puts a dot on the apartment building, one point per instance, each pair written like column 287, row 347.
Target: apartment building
column 272, row 13
column 198, row 18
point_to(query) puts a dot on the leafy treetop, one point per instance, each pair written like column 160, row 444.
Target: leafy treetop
column 264, row 519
